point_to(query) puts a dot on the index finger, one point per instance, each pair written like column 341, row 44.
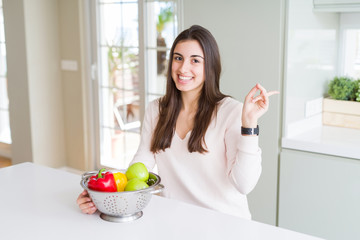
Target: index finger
column 272, row 93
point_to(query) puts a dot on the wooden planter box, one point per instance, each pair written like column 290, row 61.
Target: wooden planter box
column 341, row 113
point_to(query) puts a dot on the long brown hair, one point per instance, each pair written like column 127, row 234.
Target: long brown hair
column 170, row 104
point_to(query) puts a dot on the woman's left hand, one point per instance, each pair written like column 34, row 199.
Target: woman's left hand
column 255, row 106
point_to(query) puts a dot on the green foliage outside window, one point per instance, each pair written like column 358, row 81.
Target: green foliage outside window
column 165, row 16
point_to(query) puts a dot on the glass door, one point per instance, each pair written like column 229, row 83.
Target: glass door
column 5, row 136
column 132, row 43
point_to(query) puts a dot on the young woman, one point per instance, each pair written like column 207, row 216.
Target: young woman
column 204, row 143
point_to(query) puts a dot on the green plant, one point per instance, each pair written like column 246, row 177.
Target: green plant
column 342, row 88
column 119, row 58
column 357, row 91
column 165, row 16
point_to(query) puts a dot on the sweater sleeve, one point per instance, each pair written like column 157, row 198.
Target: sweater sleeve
column 143, row 153
column 243, row 154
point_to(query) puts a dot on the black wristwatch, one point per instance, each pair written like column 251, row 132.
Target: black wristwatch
column 250, row 131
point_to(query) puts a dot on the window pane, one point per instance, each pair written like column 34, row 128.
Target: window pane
column 157, row 62
column 119, row 25
column 161, row 29
column 111, row 22
column 130, row 27
column 120, row 126
column 2, row 45
column 118, row 147
column 2, row 34
column 5, row 135
column 161, row 23
column 3, row 66
column 120, row 67
column 120, row 109
column 119, row 82
column 4, row 100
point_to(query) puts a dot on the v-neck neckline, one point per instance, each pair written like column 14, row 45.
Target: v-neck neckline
column 182, row 139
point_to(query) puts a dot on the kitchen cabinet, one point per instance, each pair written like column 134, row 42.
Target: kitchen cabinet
column 319, row 194
column 337, row 5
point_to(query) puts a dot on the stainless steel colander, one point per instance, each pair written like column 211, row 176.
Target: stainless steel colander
column 122, row 206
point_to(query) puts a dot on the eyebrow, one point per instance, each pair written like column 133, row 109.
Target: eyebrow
column 190, row 56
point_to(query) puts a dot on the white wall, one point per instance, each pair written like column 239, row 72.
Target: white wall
column 249, row 34
column 45, row 88
column 18, row 86
column 312, row 42
column 74, row 85
column 35, row 86
column 48, row 113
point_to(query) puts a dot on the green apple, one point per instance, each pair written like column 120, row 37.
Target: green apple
column 135, row 184
column 137, row 170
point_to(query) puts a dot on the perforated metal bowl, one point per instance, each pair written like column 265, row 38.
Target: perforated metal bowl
column 122, row 206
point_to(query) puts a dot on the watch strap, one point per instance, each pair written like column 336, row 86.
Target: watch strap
column 250, row 131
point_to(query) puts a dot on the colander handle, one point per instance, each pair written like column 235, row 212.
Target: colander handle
column 158, row 189
column 88, row 174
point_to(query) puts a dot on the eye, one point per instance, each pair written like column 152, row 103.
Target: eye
column 195, row 60
column 177, row 58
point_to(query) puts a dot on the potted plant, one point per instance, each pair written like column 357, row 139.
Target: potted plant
column 342, row 107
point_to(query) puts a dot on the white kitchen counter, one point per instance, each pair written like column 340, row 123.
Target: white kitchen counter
column 336, row 141
column 38, row 202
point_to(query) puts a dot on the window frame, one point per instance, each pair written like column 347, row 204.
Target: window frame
column 94, row 62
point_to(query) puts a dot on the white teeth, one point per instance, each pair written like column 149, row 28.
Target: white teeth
column 185, row 78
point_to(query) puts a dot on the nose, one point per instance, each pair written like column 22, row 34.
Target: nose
column 185, row 66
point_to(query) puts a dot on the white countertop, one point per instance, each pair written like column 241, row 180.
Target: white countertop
column 38, row 202
column 336, row 141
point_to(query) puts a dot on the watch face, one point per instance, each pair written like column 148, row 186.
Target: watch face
column 250, row 131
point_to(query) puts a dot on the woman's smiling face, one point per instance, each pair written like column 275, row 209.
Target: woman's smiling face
column 188, row 66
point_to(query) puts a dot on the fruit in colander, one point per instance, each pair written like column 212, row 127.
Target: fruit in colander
column 120, row 180
column 135, row 184
column 137, row 170
column 123, row 206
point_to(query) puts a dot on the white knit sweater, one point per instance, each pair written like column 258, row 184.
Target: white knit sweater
column 218, row 179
